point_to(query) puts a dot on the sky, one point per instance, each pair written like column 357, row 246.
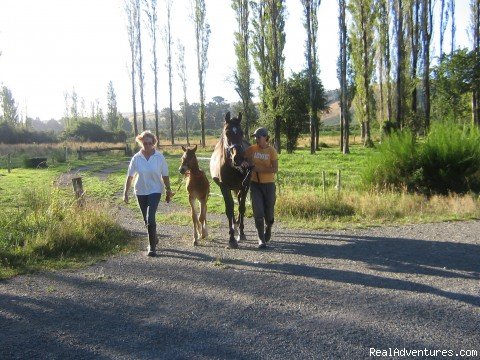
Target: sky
column 52, row 47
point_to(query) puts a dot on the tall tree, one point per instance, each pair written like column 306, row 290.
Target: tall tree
column 242, row 74
column 259, row 51
column 168, row 48
column 310, row 8
column 453, row 27
column 131, row 17
column 182, row 73
column 9, row 108
column 475, row 34
column 112, row 111
column 385, row 64
column 413, row 30
column 271, row 26
column 202, row 35
column 152, row 21
column 399, row 29
column 342, row 72
column 140, row 72
column 444, row 15
column 363, row 53
column 427, row 21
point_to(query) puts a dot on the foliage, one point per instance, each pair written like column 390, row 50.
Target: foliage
column 48, row 225
column 9, row 108
column 18, row 135
column 112, row 112
column 88, row 131
column 447, row 161
column 294, row 96
column 454, row 79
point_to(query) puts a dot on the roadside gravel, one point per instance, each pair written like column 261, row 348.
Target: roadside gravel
column 310, row 295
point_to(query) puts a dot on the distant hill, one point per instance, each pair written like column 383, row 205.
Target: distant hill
column 332, row 117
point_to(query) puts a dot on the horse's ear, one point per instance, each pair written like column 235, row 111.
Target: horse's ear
column 227, row 117
column 195, row 148
column 239, row 116
column 183, row 148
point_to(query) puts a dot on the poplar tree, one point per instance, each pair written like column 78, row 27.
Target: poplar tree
column 140, row 72
column 399, row 34
column 310, row 8
column 270, row 40
column 131, row 16
column 427, row 21
column 152, row 21
column 202, row 34
column 182, row 73
column 385, row 64
column 168, row 48
column 364, row 15
column 112, row 111
column 242, row 74
column 475, row 34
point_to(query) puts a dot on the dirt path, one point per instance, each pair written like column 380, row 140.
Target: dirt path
column 311, row 295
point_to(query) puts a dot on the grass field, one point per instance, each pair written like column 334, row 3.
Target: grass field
column 31, row 205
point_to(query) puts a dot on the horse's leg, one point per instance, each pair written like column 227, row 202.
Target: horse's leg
column 191, row 200
column 229, row 211
column 203, row 217
column 241, row 197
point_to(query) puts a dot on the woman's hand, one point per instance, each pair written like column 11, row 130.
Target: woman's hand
column 169, row 196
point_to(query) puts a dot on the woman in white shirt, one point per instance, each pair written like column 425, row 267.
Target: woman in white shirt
column 151, row 171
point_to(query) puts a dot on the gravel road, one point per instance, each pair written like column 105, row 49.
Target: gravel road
column 310, row 295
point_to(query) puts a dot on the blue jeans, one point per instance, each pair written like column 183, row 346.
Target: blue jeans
column 148, row 205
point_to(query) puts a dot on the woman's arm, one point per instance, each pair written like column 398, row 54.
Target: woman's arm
column 128, row 184
column 168, row 190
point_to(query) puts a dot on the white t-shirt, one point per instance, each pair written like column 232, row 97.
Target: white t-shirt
column 149, row 173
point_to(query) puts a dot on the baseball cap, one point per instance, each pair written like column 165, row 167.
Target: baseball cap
column 260, row 132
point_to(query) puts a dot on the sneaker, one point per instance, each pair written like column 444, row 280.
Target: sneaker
column 261, row 244
column 151, row 253
column 268, row 234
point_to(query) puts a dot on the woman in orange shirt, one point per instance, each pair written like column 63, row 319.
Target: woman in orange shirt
column 264, row 159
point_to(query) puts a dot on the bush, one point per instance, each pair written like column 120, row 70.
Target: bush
column 88, row 131
column 14, row 135
column 447, row 161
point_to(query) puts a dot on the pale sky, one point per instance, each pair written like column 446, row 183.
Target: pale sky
column 50, row 47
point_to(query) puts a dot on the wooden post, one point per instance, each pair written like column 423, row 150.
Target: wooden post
column 78, row 189
column 9, row 163
column 80, row 154
column 339, row 180
column 324, row 186
column 65, row 150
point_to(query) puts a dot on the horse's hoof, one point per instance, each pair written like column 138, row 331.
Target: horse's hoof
column 232, row 245
column 204, row 234
column 195, row 243
column 242, row 237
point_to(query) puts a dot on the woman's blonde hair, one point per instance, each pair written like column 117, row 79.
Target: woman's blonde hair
column 146, row 134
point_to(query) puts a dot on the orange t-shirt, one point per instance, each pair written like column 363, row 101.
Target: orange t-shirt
column 261, row 157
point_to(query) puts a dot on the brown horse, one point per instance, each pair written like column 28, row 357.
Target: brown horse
column 226, row 171
column 198, row 188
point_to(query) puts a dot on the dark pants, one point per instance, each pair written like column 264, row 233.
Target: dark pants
column 263, row 199
column 148, row 205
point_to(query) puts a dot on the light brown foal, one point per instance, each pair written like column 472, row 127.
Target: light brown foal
column 198, row 188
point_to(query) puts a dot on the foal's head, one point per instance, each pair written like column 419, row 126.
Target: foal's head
column 233, row 139
column 189, row 160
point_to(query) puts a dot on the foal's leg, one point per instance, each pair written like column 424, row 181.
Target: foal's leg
column 229, row 210
column 191, row 200
column 241, row 197
column 203, row 217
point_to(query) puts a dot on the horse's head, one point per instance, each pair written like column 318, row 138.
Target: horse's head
column 233, row 139
column 189, row 160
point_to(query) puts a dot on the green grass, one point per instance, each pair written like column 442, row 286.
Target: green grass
column 41, row 226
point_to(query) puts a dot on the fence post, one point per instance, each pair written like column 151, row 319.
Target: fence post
column 339, row 180
column 9, row 163
column 80, row 154
column 78, row 189
column 324, row 186
column 65, row 151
